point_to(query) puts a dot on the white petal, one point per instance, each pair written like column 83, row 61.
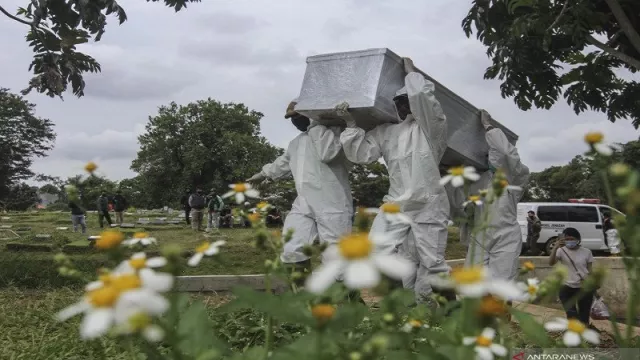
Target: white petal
column 141, row 300
column 471, row 174
column 468, row 340
column 468, row 170
column 229, row 194
column 148, row 241
column 156, row 281
column 219, row 243
column 130, row 242
column 156, row 262
column 212, row 250
column 533, row 282
column 441, row 282
column 153, row 333
column 379, row 239
column 498, row 349
column 489, row 333
column 603, row 149
column 361, row 275
column 96, row 322
column 484, row 353
column 445, row 179
column 507, row 290
column 124, row 268
column 472, row 290
column 239, row 198
column 232, row 186
column 571, row 338
column 457, row 181
column 138, row 255
column 372, row 211
column 324, row 276
column 94, row 285
column 394, row 266
column 195, row 259
column 73, row 310
column 558, row 324
column 252, row 193
column 513, row 187
column 591, row 336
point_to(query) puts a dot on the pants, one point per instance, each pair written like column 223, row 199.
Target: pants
column 104, row 215
column 308, row 224
column 119, row 217
column 78, row 220
column 580, row 309
column 501, row 252
column 187, row 212
column 196, row 219
column 532, row 243
column 213, row 219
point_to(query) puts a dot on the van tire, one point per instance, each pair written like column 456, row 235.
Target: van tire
column 549, row 245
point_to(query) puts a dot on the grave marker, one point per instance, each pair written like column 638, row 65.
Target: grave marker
column 144, row 220
column 6, row 226
column 23, row 229
column 127, row 225
column 43, row 237
column 62, row 228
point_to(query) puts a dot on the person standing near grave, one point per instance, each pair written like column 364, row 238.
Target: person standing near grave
column 197, row 203
column 214, row 206
column 534, row 226
column 103, row 209
column 120, row 205
column 184, row 201
column 77, row 217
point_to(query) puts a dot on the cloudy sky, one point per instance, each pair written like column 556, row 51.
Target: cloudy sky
column 254, row 52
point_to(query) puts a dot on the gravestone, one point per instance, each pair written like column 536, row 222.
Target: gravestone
column 5, row 218
column 114, row 225
column 127, row 225
column 6, row 226
column 93, row 237
column 174, row 222
column 6, row 234
column 162, row 218
column 42, row 237
column 159, row 222
column 144, row 220
column 23, row 229
column 62, row 228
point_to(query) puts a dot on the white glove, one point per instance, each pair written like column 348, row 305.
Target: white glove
column 257, row 177
column 485, row 119
column 342, row 110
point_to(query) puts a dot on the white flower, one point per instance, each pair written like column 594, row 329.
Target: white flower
column 475, row 199
column 476, row 282
column 458, row 175
column 240, row 191
column 356, row 259
column 414, row 325
column 393, row 214
column 140, row 238
column 139, row 261
column 485, row 348
column 530, row 289
column 575, row 331
column 206, row 248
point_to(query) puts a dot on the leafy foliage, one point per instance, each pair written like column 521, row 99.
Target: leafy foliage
column 369, row 183
column 56, row 28
column 542, row 49
column 20, row 197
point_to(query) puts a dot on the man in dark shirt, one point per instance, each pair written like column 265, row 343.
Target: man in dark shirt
column 184, row 201
column 77, row 217
column 120, row 206
column 103, row 209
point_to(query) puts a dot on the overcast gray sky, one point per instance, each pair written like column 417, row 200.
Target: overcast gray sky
column 254, row 52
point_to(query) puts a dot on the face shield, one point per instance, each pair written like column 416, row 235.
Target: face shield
column 401, row 105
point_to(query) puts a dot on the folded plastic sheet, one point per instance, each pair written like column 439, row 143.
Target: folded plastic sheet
column 368, row 81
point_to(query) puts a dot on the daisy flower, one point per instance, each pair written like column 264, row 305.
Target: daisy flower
column 575, row 331
column 475, row 199
column 476, row 282
column 263, row 206
column 530, row 289
column 140, row 238
column 109, row 239
column 528, row 266
column 392, row 214
column 414, row 325
column 492, row 306
column 459, row 174
column 323, row 313
column 139, row 261
column 355, row 258
column 90, row 167
column 241, row 190
column 485, row 348
column 594, row 139
column 206, row 248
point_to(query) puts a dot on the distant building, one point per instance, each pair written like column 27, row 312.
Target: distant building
column 47, row 199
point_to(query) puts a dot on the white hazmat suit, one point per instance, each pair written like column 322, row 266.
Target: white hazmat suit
column 323, row 207
column 412, row 150
column 502, row 243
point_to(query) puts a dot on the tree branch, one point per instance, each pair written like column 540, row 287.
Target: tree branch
column 625, row 23
column 631, row 61
column 557, row 20
column 2, row 10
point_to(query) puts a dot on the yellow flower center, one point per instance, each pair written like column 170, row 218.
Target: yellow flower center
column 467, row 276
column 254, row 218
column 138, row 263
column 415, row 323
column 105, row 279
column 90, row 167
column 474, row 198
column 109, row 239
column 139, row 321
column 104, row 296
column 576, row 326
column 593, row 137
column 262, row 205
column 528, row 265
column 491, row 306
column 503, row 183
column 323, row 312
column 355, row 246
column 240, row 188
column 532, row 289
column 140, row 235
column 390, row 208
column 457, row 171
column 483, row 341
column 203, row 247
column 126, row 282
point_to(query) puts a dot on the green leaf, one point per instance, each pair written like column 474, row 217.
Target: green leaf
column 533, row 331
column 195, row 332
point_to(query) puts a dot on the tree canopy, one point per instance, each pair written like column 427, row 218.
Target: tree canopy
column 55, row 28
column 541, row 49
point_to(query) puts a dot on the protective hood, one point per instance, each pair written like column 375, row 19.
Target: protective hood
column 402, row 91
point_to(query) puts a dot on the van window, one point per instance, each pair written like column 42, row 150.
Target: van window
column 587, row 214
column 552, row 213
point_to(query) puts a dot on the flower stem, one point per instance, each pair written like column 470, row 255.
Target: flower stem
column 269, row 329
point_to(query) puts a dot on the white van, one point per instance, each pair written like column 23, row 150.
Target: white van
column 555, row 217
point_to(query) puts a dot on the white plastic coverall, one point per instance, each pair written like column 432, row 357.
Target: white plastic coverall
column 503, row 240
column 321, row 173
column 412, row 151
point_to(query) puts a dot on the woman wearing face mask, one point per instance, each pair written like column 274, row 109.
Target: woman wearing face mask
column 578, row 260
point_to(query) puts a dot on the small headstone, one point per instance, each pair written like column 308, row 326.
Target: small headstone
column 93, row 238
column 166, row 208
column 114, row 225
column 144, row 220
column 162, row 218
column 43, row 237
column 23, row 229
column 6, row 226
column 127, row 225
column 170, row 211
column 158, row 222
column 128, row 213
column 174, row 222
column 5, row 218
column 62, row 228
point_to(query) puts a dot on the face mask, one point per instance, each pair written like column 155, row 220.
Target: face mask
column 572, row 244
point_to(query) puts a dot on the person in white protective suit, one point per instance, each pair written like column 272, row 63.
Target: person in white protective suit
column 499, row 246
column 323, row 207
column 412, row 150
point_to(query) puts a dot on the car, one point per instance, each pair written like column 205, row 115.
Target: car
column 584, row 215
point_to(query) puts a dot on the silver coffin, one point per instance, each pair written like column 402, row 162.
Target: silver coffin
column 368, row 81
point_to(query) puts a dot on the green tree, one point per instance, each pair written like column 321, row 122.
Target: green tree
column 23, row 137
column 280, row 194
column 203, row 144
column 90, row 189
column 133, row 189
column 55, row 28
column 369, row 183
column 544, row 48
column 21, row 197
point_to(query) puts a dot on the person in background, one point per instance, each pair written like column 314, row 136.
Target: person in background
column 611, row 236
column 274, row 219
column 214, row 207
column 77, row 217
column 103, row 209
column 533, row 233
column 226, row 217
column 184, row 201
column 120, row 206
column 578, row 260
column 197, row 203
